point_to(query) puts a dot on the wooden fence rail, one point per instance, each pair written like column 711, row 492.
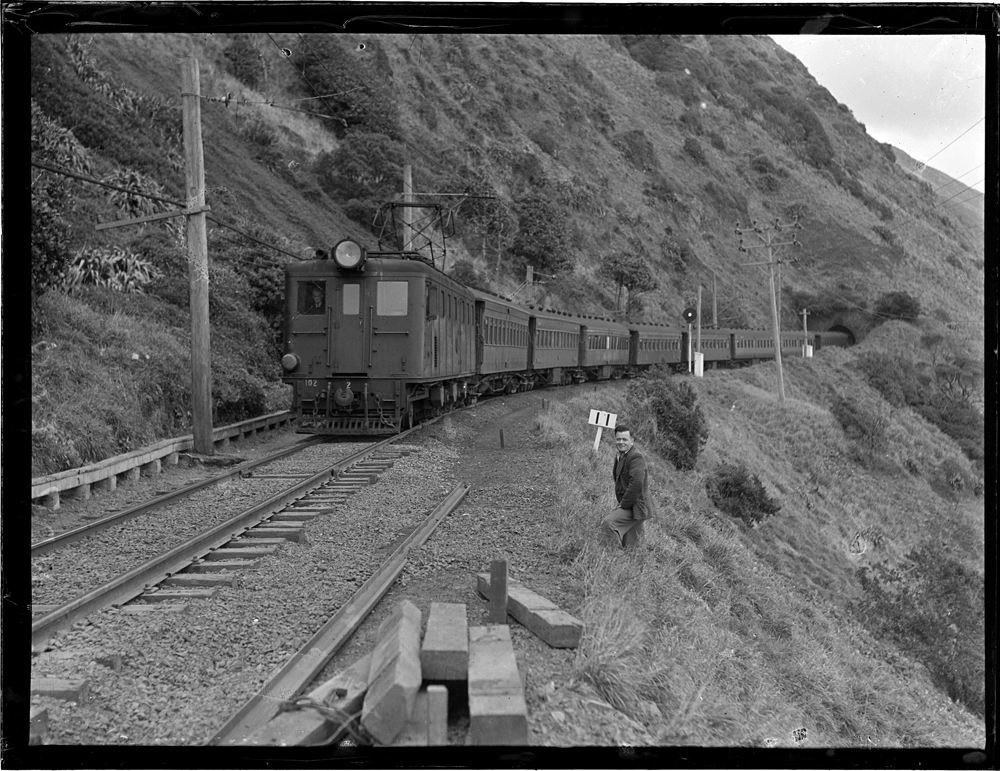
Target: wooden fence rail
column 78, row 483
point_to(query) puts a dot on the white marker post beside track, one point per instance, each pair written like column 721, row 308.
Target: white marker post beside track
column 602, row 420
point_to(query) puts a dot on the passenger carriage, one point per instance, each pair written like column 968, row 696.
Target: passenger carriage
column 555, row 347
column 654, row 344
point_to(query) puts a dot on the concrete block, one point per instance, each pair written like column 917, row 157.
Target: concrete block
column 395, row 675
column 498, row 713
column 110, row 484
column 415, row 732
column 56, row 688
column 437, row 715
column 444, row 654
column 557, row 627
column 81, row 493
column 150, row 469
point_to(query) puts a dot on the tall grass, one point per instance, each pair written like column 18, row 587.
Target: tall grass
column 766, row 636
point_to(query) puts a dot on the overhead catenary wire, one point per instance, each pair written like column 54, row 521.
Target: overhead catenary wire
column 903, row 173
column 162, row 199
column 932, row 208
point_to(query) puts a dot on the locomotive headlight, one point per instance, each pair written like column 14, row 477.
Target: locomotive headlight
column 289, row 362
column 349, row 255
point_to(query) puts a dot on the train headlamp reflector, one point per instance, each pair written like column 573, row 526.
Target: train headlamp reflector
column 289, row 362
column 349, row 255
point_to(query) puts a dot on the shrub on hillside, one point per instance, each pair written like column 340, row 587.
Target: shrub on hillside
column 737, row 492
column 896, row 378
column 728, row 202
column 51, row 200
column 545, row 139
column 961, row 421
column 354, row 90
column 681, row 429
column 934, row 610
column 245, row 60
column 113, row 267
column 365, row 168
column 717, row 141
column 466, row 274
column 638, row 150
column 865, row 424
column 50, row 235
column 542, row 238
column 693, row 148
column 898, row 305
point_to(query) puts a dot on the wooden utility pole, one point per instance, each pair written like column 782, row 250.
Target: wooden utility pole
column 197, row 240
column 407, row 210
column 766, row 242
column 805, row 333
column 715, row 306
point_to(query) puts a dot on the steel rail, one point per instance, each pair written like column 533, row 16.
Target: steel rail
column 129, row 585
column 71, row 536
column 304, row 665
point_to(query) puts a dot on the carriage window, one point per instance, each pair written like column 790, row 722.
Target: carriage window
column 391, row 297
column 312, row 297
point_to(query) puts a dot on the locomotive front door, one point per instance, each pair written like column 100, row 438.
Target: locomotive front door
column 347, row 329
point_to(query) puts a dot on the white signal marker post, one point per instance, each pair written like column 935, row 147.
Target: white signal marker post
column 602, row 420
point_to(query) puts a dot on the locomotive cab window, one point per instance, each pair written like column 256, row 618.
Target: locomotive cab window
column 391, row 298
column 312, row 297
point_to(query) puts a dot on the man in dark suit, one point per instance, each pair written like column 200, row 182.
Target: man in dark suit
column 635, row 503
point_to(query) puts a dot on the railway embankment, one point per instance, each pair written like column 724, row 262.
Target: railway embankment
column 713, row 633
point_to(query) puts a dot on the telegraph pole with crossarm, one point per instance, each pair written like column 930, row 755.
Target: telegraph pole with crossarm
column 766, row 237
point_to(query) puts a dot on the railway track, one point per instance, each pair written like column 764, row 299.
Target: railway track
column 61, row 540
column 306, row 663
column 310, row 494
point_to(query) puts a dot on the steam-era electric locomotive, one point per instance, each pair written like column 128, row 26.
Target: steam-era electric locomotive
column 376, row 342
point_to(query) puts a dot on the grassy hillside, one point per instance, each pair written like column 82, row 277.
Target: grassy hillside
column 855, row 612
column 593, row 148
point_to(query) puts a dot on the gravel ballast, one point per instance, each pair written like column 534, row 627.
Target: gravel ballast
column 183, row 675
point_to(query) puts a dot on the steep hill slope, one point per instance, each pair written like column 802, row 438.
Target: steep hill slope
column 589, row 148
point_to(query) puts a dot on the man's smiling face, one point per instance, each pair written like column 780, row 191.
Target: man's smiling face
column 624, row 441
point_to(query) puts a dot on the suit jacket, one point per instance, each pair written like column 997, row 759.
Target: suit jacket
column 632, row 484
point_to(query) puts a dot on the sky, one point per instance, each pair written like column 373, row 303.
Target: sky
column 917, row 92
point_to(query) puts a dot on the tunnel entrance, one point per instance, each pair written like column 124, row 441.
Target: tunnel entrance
column 845, row 330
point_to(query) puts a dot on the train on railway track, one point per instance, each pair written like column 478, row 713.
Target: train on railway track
column 376, row 342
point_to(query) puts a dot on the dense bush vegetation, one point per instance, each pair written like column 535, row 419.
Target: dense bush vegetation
column 629, row 271
column 864, row 422
column 679, row 425
column 737, row 492
column 934, row 610
column 638, row 150
column 354, row 91
column 246, row 61
column 542, row 238
column 466, row 274
column 898, row 305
